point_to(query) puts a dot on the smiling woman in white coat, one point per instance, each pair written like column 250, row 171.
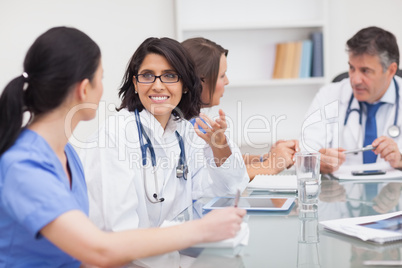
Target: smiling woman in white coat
column 44, row 202
column 153, row 163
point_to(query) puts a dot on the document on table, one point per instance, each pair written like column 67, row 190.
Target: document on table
column 345, row 172
column 274, row 183
column 379, row 228
column 241, row 237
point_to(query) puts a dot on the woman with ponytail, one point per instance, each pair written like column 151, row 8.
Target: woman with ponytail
column 211, row 63
column 43, row 195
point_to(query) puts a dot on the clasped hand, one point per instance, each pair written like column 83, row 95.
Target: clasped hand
column 281, row 155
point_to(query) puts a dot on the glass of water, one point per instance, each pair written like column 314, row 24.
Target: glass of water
column 308, row 246
column 308, row 179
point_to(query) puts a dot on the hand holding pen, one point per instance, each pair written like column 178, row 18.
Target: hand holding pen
column 388, row 149
column 331, row 159
column 356, row 151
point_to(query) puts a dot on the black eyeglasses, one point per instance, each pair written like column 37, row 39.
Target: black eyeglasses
column 150, row 78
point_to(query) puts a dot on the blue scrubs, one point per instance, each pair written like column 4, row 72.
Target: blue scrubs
column 34, row 190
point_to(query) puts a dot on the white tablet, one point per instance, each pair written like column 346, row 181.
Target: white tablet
column 257, row 203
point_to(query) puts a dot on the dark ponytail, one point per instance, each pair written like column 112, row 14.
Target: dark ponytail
column 56, row 61
column 11, row 112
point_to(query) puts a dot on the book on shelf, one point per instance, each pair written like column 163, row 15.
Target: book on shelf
column 284, row 60
column 306, row 59
column 289, row 59
column 317, row 69
column 279, row 61
column 293, row 59
column 297, row 59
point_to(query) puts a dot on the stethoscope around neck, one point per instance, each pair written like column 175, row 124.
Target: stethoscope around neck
column 181, row 169
column 393, row 131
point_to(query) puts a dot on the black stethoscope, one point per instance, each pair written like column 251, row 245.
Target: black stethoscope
column 181, row 169
column 393, row 131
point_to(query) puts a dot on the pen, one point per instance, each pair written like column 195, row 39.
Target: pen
column 355, row 151
column 237, row 198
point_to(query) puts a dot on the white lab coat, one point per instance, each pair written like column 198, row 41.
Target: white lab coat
column 115, row 179
column 324, row 127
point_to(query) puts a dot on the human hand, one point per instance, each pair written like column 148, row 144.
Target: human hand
column 221, row 224
column 331, row 159
column 388, row 149
column 215, row 132
column 388, row 197
column 332, row 191
column 281, row 155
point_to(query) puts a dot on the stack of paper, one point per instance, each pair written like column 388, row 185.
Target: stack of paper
column 240, row 239
column 274, row 182
column 379, row 228
column 345, row 172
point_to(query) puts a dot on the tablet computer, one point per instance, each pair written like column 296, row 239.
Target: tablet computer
column 256, row 203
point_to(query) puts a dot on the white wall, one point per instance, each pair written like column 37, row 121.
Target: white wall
column 119, row 26
column 346, row 17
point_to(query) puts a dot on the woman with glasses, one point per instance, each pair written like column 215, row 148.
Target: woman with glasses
column 152, row 163
column 43, row 195
column 211, row 64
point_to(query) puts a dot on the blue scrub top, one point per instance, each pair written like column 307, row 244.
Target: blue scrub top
column 34, row 190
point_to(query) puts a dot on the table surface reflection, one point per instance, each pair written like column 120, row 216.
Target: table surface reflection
column 275, row 238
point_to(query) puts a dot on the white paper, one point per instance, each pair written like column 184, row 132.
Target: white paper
column 186, row 261
column 273, row 182
column 241, row 237
column 344, row 172
column 351, row 227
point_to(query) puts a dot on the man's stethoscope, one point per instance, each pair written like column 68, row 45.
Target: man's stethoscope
column 181, row 169
column 393, row 131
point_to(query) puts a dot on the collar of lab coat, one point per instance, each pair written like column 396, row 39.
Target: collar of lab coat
column 388, row 97
column 346, row 91
column 353, row 121
column 154, row 129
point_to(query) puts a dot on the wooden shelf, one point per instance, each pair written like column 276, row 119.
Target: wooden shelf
column 277, row 82
column 253, row 26
column 250, row 29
